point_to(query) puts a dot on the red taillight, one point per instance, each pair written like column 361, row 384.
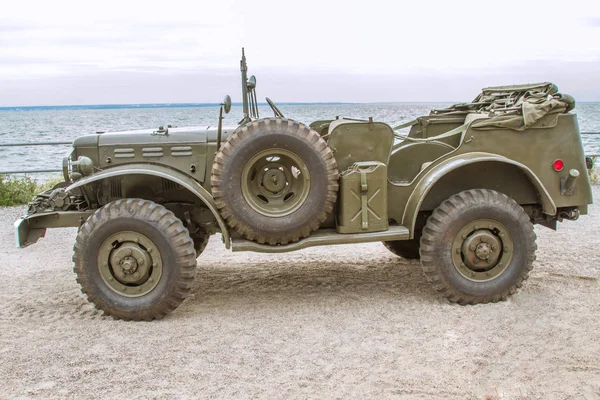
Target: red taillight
column 558, row 165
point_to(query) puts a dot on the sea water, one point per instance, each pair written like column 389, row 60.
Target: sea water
column 44, row 124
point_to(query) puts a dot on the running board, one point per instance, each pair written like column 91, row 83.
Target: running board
column 323, row 237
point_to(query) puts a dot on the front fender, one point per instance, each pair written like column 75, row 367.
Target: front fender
column 428, row 181
column 166, row 173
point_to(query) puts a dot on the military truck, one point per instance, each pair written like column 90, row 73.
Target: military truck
column 460, row 190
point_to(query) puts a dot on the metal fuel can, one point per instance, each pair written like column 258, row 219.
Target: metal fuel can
column 363, row 198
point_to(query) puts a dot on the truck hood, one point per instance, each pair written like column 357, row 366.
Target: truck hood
column 191, row 134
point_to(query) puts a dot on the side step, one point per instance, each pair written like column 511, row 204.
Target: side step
column 323, row 237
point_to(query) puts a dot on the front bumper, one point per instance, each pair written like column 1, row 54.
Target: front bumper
column 25, row 235
column 29, row 229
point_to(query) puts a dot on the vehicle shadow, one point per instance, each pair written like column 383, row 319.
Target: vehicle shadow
column 269, row 279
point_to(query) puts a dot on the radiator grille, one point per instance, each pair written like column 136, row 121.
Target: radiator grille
column 115, row 187
column 168, row 185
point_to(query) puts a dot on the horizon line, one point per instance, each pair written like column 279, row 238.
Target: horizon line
column 197, row 105
column 182, row 105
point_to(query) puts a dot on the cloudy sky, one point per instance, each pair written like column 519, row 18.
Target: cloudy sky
column 81, row 52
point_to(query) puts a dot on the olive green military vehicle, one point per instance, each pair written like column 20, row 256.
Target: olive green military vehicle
column 460, row 189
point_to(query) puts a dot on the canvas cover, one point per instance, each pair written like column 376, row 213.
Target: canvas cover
column 516, row 107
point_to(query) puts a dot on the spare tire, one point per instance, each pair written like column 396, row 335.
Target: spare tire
column 274, row 181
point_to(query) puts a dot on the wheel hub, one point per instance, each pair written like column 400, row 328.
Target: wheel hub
column 482, row 250
column 130, row 263
column 274, row 180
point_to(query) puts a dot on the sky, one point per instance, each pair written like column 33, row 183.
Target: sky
column 119, row 52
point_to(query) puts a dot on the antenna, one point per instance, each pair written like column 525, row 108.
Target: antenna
column 244, row 69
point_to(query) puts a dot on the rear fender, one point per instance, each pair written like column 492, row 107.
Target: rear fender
column 166, row 173
column 429, row 180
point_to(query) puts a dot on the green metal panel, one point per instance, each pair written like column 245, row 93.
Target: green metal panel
column 183, row 149
column 407, row 161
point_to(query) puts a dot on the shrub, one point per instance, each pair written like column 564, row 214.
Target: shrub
column 18, row 191
column 594, row 172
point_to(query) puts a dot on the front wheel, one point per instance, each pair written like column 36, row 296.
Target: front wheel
column 478, row 247
column 134, row 260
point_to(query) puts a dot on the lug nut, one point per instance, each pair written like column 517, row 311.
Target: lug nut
column 472, row 247
column 121, row 240
column 506, row 249
column 140, row 260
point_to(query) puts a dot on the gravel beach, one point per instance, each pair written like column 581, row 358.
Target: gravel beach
column 350, row 321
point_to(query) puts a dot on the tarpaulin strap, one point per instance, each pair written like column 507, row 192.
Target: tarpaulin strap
column 406, row 125
column 452, row 132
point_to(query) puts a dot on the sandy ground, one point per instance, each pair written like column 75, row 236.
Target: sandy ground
column 330, row 322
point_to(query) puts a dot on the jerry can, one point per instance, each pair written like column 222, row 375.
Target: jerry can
column 363, row 198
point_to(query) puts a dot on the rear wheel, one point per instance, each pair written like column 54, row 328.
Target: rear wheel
column 478, row 247
column 134, row 260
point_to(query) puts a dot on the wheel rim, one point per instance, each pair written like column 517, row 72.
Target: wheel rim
column 275, row 182
column 482, row 250
column 130, row 263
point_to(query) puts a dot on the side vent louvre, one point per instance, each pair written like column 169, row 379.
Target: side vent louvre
column 115, row 187
column 168, row 185
column 124, row 153
column 181, row 151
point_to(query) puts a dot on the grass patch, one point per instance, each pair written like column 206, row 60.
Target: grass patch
column 595, row 175
column 18, row 191
column 594, row 172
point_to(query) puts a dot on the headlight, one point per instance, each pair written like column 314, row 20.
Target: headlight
column 84, row 165
column 66, row 166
